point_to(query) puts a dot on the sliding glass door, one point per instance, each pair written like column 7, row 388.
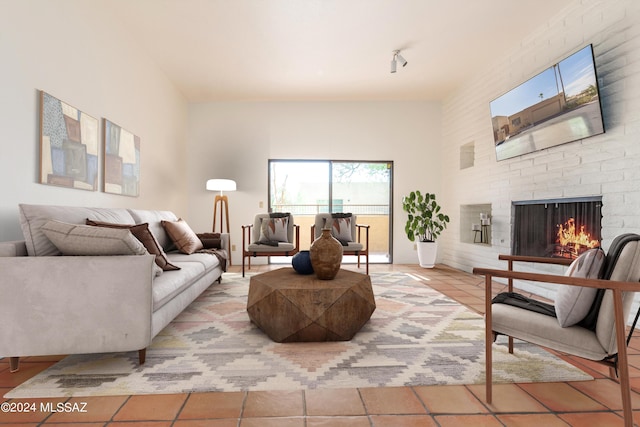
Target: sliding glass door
column 306, row 187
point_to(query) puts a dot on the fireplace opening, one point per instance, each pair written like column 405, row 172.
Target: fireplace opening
column 556, row 228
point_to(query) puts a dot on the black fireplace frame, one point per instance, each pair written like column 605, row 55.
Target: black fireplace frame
column 539, row 224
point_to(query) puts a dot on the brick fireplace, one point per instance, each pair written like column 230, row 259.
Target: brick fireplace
column 556, row 228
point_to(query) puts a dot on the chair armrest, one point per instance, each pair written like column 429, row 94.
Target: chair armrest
column 296, row 232
column 535, row 259
column 561, row 280
column 246, row 236
column 360, row 227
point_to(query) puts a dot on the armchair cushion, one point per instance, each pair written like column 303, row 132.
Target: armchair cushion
column 274, row 230
column 341, row 229
column 573, row 303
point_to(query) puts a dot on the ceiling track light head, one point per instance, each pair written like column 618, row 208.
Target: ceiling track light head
column 402, row 61
column 394, row 61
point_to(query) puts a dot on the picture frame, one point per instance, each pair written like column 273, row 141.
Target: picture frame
column 69, row 145
column 121, row 160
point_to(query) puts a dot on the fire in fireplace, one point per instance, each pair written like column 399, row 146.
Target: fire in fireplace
column 556, row 228
column 571, row 243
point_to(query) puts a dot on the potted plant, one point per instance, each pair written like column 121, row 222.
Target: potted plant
column 425, row 223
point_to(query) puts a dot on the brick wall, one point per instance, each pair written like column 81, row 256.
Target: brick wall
column 606, row 165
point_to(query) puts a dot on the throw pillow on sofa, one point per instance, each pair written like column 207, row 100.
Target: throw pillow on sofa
column 572, row 303
column 182, row 236
column 144, row 235
column 74, row 239
column 210, row 240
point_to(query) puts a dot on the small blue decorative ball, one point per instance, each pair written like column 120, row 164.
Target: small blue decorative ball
column 301, row 263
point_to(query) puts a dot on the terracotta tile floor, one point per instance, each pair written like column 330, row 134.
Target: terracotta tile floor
column 592, row 403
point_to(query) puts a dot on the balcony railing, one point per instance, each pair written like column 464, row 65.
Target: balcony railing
column 317, row 208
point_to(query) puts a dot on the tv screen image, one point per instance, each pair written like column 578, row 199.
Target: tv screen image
column 559, row 105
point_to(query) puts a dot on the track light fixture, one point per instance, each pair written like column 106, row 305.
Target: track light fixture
column 397, row 58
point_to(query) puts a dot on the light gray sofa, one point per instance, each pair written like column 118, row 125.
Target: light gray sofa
column 53, row 304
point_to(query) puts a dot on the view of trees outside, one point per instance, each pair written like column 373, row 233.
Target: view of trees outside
column 303, row 188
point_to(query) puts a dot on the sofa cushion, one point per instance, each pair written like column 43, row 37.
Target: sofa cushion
column 207, row 260
column 182, row 236
column 154, row 219
column 33, row 217
column 144, row 235
column 73, row 239
column 170, row 285
column 572, row 303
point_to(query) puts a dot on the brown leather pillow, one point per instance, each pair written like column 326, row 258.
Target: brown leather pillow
column 210, row 240
column 142, row 233
column 182, row 236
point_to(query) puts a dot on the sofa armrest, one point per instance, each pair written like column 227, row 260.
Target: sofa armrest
column 225, row 242
column 13, row 248
column 75, row 304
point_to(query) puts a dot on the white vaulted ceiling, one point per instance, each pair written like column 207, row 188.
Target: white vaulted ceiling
column 326, row 49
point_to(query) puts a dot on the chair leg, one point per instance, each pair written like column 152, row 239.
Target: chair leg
column 14, row 364
column 243, row 265
column 623, row 361
column 489, row 338
column 142, row 356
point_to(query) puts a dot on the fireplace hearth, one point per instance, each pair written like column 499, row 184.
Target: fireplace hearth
column 556, row 228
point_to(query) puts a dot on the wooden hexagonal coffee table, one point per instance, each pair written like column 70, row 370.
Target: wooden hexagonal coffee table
column 290, row 307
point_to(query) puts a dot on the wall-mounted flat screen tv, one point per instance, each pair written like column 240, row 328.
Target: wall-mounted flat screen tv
column 559, row 105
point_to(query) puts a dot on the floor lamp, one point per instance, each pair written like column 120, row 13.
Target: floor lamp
column 221, row 199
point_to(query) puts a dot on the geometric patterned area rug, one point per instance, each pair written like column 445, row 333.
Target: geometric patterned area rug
column 416, row 336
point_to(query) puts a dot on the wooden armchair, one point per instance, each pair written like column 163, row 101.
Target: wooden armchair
column 604, row 342
column 274, row 234
column 352, row 241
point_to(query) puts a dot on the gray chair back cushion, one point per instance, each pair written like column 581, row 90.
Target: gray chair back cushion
column 627, row 269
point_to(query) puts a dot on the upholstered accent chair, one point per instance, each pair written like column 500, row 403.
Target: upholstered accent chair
column 345, row 228
column 598, row 336
column 271, row 234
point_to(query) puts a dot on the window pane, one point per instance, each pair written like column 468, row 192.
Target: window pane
column 299, row 186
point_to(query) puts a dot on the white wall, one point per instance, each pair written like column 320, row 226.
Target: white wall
column 606, row 165
column 235, row 140
column 76, row 51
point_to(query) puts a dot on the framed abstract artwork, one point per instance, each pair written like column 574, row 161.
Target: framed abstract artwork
column 68, row 145
column 121, row 160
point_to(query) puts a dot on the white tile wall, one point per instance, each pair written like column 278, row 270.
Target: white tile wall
column 607, row 165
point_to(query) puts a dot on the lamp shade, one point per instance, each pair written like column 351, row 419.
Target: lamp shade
column 221, row 185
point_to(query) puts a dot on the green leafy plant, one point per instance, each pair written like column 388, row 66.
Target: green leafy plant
column 425, row 219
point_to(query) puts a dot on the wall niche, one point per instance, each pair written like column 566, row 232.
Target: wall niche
column 475, row 224
column 467, row 155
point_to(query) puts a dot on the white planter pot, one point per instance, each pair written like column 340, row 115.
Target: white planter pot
column 427, row 252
